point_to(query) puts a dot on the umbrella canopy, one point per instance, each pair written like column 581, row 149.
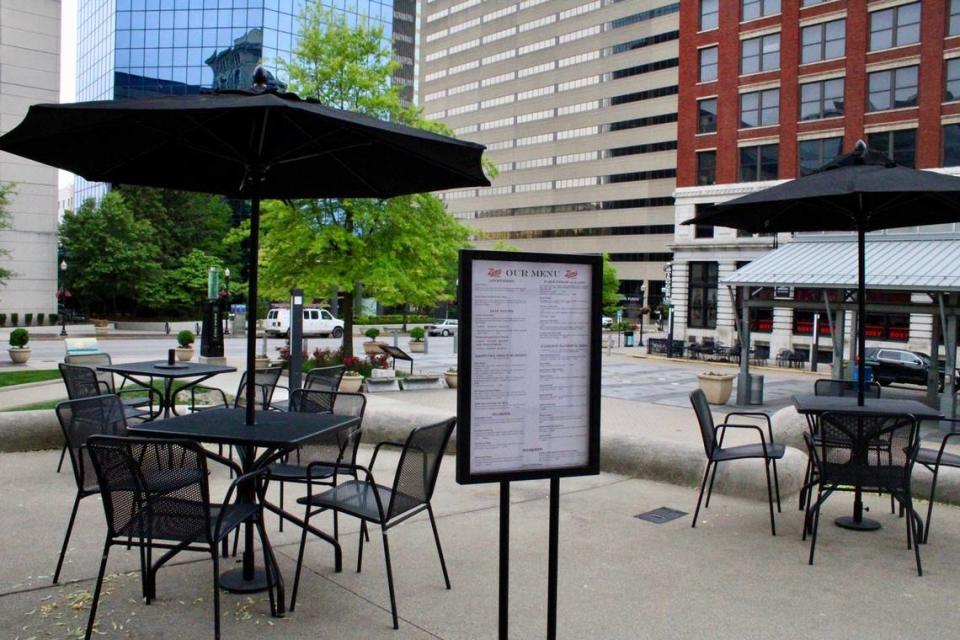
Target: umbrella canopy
column 860, row 191
column 244, row 144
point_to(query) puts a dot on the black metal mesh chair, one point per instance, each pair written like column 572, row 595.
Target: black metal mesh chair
column 844, row 460
column 933, row 459
column 265, row 380
column 325, row 452
column 156, row 496
column 317, row 379
column 80, row 419
column 412, row 489
column 768, row 450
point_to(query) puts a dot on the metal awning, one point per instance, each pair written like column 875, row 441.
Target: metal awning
column 915, row 264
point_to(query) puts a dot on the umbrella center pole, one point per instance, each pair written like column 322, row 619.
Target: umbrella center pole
column 861, row 311
column 251, row 387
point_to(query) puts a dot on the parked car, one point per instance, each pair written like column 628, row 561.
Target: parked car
column 606, row 322
column 316, row 322
column 445, row 327
column 900, row 365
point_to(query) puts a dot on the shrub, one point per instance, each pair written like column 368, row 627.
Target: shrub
column 3, row 319
column 40, row 319
column 185, row 338
column 372, row 333
column 15, row 319
column 54, row 317
column 417, row 333
column 27, row 319
column 19, row 338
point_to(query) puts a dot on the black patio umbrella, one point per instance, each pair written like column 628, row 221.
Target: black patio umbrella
column 254, row 144
column 861, row 191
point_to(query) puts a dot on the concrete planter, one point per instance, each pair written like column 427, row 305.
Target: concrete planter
column 372, row 348
column 261, row 363
column 184, row 354
column 19, row 355
column 351, row 382
column 416, row 347
column 451, row 377
column 717, row 387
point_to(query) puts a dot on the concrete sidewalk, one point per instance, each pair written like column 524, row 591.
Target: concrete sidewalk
column 620, row 578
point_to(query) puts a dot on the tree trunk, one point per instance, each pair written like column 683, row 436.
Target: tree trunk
column 405, row 308
column 347, row 310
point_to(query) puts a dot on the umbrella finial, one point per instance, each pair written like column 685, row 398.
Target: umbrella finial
column 860, row 147
column 261, row 77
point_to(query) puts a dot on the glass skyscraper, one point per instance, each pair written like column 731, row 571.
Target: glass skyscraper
column 145, row 48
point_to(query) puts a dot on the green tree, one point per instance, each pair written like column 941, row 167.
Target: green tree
column 6, row 222
column 113, row 254
column 182, row 289
column 397, row 247
column 611, row 287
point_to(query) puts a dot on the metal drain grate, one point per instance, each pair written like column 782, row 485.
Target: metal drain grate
column 661, row 515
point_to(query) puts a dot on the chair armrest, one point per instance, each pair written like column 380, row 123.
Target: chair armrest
column 338, row 467
column 247, row 477
column 943, row 445
column 216, row 457
column 753, row 414
column 728, row 425
column 385, row 443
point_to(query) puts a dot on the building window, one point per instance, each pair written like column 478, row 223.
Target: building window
column 810, row 3
column 702, row 231
column 706, row 168
column 892, row 88
column 823, row 99
column 760, row 54
column 953, row 22
column 816, row 153
column 823, row 41
column 952, row 90
column 895, row 27
column 951, row 145
column 709, row 14
column 887, row 326
column 707, row 121
column 760, row 108
column 752, row 9
column 899, row 145
column 703, row 295
column 708, row 64
column 759, row 163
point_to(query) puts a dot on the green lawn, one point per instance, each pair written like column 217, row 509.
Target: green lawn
column 202, row 398
column 37, row 406
column 8, row 378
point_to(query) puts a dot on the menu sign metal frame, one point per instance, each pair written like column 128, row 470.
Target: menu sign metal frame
column 536, row 270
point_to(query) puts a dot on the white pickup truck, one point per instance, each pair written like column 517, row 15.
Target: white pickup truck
column 316, row 322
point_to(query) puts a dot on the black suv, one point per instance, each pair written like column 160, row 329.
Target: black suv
column 900, row 365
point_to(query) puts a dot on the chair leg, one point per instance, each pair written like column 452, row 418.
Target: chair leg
column 703, row 485
column 336, row 526
column 216, row 593
column 815, row 527
column 280, row 517
column 773, row 523
column 296, row 574
column 271, row 569
column 63, row 454
column 96, row 590
column 926, row 526
column 436, row 536
column 912, row 519
column 807, row 478
column 363, row 530
column 393, row 598
column 713, row 476
column 66, row 538
column 776, row 485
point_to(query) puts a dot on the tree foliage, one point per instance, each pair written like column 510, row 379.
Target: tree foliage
column 6, row 222
column 611, row 287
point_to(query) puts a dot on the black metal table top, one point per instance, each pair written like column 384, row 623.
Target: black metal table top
column 159, row 369
column 809, row 403
column 272, row 429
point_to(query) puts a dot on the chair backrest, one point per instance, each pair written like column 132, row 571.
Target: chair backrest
column 845, row 452
column 81, row 381
column 705, row 417
column 419, row 466
column 94, row 360
column 336, row 446
column 79, row 419
column 324, row 378
column 265, row 381
column 845, row 388
column 152, row 487
column 77, row 346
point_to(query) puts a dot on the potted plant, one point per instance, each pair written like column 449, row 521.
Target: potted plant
column 185, row 340
column 352, row 379
column 101, row 326
column 19, row 351
column 451, row 376
column 416, row 339
column 717, row 387
column 372, row 347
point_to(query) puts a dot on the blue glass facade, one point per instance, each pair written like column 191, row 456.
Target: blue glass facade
column 142, row 48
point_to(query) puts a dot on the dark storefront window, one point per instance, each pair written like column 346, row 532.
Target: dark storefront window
column 703, row 295
column 899, row 145
column 759, row 163
column 706, row 168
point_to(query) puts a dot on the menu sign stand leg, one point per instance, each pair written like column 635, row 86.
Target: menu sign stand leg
column 552, row 558
column 504, row 558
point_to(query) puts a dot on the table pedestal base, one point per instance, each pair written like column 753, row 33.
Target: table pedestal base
column 233, row 581
column 849, row 522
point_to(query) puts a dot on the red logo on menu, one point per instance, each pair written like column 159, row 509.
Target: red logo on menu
column 494, row 273
column 571, row 273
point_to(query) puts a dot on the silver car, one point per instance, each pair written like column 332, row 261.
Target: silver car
column 446, row 327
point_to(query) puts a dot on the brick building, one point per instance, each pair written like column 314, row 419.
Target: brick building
column 770, row 89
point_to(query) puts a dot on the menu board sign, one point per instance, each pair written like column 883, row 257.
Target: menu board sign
column 529, row 366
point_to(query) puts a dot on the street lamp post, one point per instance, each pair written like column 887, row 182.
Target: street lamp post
column 226, row 286
column 63, row 297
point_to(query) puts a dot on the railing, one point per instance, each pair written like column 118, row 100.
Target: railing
column 659, row 346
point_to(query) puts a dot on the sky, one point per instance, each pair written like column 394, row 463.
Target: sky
column 68, row 63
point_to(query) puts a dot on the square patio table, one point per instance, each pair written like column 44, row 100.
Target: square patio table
column 136, row 371
column 274, row 432
column 813, row 406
